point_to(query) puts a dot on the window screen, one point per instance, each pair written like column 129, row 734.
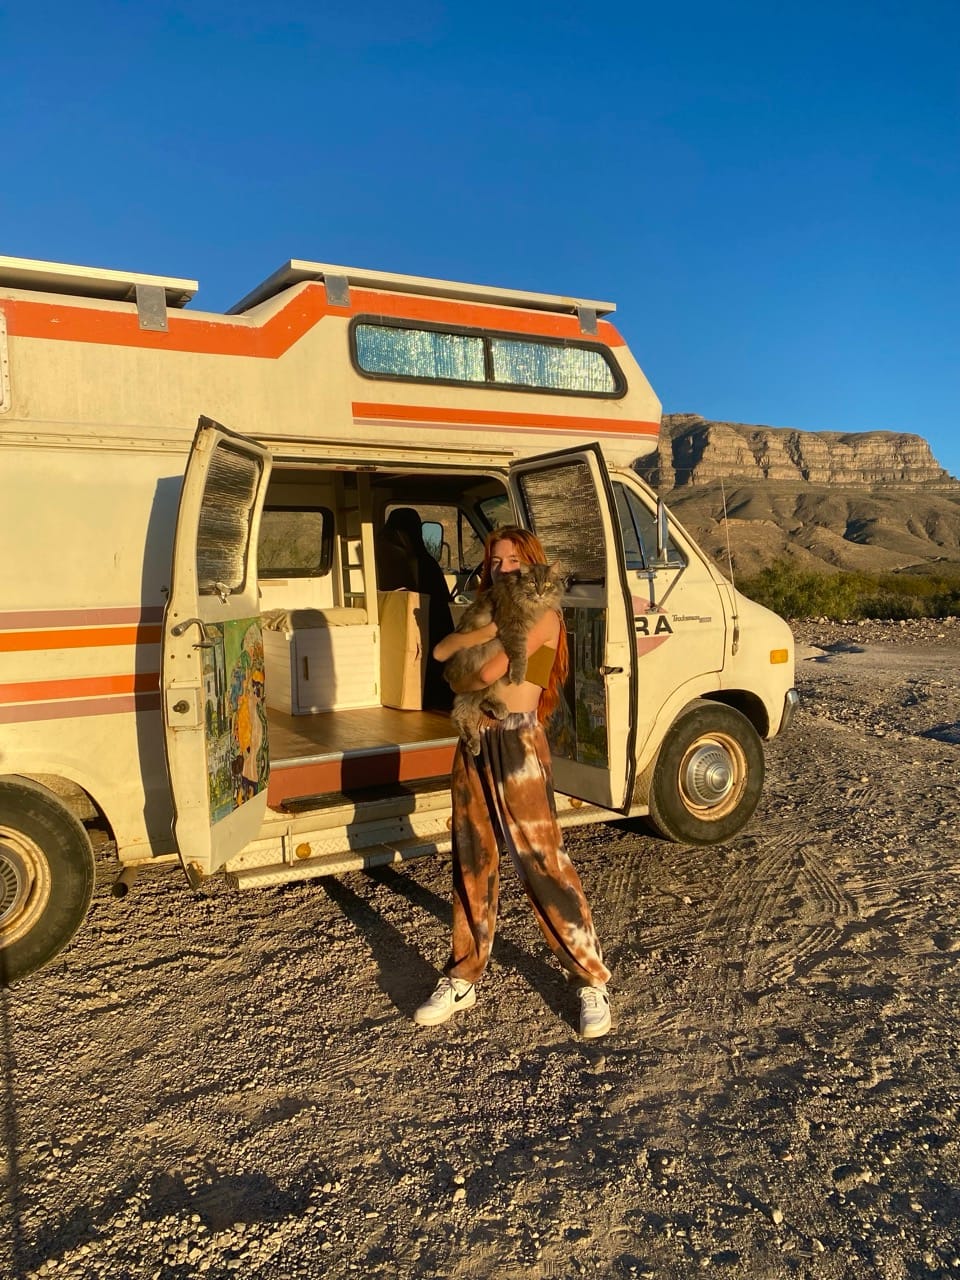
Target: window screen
column 535, row 364
column 384, row 350
column 564, row 510
column 419, row 353
column 223, row 535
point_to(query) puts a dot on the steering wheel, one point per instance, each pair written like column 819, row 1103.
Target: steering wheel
column 471, row 585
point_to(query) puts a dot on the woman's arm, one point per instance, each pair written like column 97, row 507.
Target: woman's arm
column 458, row 640
column 545, row 631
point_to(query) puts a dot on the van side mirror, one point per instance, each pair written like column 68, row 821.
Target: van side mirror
column 432, row 531
column 666, row 557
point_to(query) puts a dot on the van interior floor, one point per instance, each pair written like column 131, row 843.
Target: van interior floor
column 336, row 754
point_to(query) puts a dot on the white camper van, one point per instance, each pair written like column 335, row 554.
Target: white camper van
column 195, row 651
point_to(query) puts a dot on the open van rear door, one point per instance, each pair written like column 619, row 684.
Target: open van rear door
column 215, row 721
column 567, row 500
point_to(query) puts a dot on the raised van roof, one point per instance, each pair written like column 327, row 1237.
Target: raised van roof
column 90, row 282
column 296, row 271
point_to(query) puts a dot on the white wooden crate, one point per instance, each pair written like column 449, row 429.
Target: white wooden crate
column 322, row 668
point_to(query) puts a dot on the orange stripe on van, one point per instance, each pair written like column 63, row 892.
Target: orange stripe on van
column 34, row 619
column 85, row 638
column 236, row 336
column 85, row 687
column 225, row 337
column 119, row 704
column 497, row 418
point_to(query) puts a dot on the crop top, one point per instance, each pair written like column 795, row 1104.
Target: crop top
column 540, row 664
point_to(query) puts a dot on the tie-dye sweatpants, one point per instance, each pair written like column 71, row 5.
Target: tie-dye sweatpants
column 503, row 799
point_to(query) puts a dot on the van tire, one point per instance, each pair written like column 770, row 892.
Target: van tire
column 708, row 777
column 46, row 877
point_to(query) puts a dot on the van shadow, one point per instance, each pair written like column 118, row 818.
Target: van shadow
column 405, row 977
column 10, row 1139
column 946, row 732
column 219, row 1200
column 154, row 592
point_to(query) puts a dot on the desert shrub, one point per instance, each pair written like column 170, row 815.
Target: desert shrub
column 946, row 601
column 797, row 593
column 893, row 605
column 794, row 593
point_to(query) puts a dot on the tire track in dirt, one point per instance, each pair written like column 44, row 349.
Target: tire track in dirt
column 778, row 915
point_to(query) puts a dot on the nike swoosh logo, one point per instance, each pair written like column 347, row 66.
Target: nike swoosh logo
column 457, row 999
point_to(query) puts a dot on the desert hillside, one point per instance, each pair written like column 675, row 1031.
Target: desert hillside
column 876, row 501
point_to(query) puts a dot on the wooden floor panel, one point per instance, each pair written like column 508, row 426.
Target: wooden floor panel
column 367, row 729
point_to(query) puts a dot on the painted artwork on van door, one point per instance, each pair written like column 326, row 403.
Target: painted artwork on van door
column 235, row 715
column 577, row 730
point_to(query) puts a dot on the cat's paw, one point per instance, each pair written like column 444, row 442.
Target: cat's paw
column 517, row 672
column 494, row 707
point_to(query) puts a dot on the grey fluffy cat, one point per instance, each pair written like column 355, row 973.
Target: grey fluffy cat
column 515, row 601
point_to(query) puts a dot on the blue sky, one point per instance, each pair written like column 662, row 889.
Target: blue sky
column 769, row 192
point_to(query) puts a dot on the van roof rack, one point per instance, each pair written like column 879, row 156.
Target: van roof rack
column 339, row 279
column 90, row 282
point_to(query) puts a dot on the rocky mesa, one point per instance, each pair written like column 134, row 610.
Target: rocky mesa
column 876, row 501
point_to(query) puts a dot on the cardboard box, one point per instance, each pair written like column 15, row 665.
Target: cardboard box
column 404, row 644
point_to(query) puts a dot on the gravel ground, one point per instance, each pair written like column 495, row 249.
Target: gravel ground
column 230, row 1084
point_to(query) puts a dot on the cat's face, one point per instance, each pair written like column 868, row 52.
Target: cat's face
column 535, row 580
column 544, row 579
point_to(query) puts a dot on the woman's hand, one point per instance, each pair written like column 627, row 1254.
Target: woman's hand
column 545, row 631
column 458, row 640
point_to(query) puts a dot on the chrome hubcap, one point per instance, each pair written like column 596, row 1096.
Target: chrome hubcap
column 25, row 884
column 708, row 775
column 14, row 881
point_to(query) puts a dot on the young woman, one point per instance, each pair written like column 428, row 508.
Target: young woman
column 503, row 800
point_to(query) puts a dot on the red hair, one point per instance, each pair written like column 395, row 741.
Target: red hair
column 530, row 551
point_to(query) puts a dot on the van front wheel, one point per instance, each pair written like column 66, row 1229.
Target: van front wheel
column 46, row 877
column 708, row 776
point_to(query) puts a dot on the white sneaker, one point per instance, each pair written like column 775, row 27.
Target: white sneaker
column 452, row 995
column 594, row 1012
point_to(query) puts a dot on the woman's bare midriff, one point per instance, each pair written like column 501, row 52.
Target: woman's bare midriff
column 519, row 697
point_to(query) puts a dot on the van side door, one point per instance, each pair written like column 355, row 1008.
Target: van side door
column 567, row 500
column 212, row 675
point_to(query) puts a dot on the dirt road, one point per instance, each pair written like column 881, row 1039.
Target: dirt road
column 231, row 1084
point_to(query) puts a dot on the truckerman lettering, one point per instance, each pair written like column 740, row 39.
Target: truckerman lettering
column 690, row 617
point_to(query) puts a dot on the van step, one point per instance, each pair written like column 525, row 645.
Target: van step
column 358, row 810
column 323, row 849
column 363, row 796
column 339, row 863
column 359, row 770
